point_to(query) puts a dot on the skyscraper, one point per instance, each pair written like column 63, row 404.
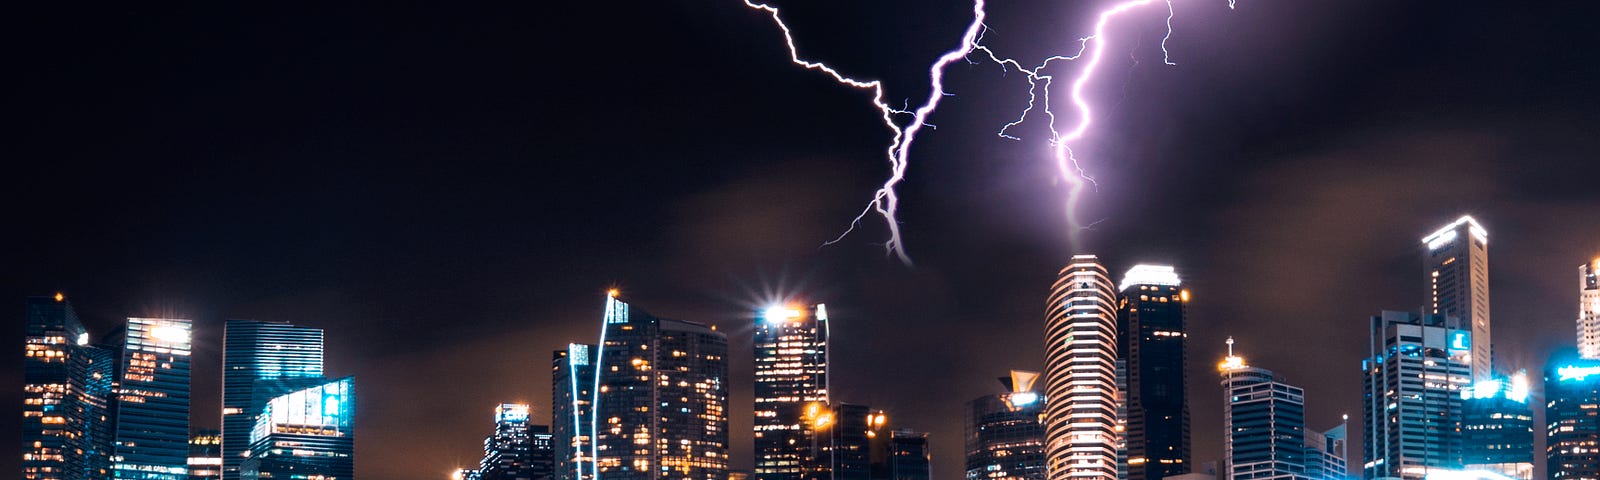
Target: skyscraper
column 1263, row 421
column 66, row 387
column 791, row 369
column 205, row 455
column 152, row 408
column 1325, row 453
column 1080, row 373
column 260, row 361
column 1151, row 339
column 909, row 457
column 1572, row 397
column 572, row 373
column 508, row 452
column 1456, row 266
column 308, row 433
column 662, row 398
column 1411, row 395
column 850, row 428
column 542, row 451
column 1005, row 432
column 1497, row 427
column 1589, row 310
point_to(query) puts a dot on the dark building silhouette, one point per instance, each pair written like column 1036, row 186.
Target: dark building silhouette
column 1151, row 339
column 1497, row 427
column 909, row 457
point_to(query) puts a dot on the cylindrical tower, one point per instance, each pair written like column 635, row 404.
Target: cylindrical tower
column 1081, row 376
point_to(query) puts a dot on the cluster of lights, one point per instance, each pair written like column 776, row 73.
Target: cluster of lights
column 1574, row 373
column 1163, row 275
column 1447, row 234
column 1516, row 390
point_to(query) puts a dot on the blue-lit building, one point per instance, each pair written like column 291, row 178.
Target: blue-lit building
column 1005, row 432
column 152, row 407
column 1326, row 452
column 662, row 399
column 305, row 434
column 1497, row 427
column 1411, row 395
column 66, row 388
column 260, row 361
column 572, row 420
column 1151, row 342
column 1263, row 421
column 1572, row 418
column 510, row 453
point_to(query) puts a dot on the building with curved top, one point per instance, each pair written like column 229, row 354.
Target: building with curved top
column 1081, row 374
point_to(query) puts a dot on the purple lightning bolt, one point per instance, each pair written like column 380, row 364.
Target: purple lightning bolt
column 885, row 201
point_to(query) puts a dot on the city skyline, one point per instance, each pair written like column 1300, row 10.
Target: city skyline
column 447, row 190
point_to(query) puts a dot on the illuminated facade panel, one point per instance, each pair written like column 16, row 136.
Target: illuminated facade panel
column 307, row 433
column 1572, row 425
column 152, row 406
column 1151, row 344
column 1080, row 373
column 572, row 376
column 1411, row 395
column 1497, row 427
column 1005, row 434
column 66, row 388
column 1589, row 310
column 791, row 371
column 1456, row 269
column 260, row 360
column 1263, row 422
column 661, row 409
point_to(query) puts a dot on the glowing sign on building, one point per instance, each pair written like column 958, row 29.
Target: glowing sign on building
column 1460, row 340
column 1574, row 373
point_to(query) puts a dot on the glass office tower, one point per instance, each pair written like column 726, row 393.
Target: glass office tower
column 791, row 370
column 1572, row 398
column 307, row 433
column 260, row 361
column 1411, row 395
column 661, row 404
column 1497, row 427
column 1456, row 268
column 1263, row 422
column 152, row 408
column 1005, row 432
column 572, row 420
column 66, row 431
column 909, row 457
column 1081, row 422
column 508, row 452
column 1151, row 340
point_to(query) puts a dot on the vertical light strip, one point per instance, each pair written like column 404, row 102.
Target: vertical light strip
column 594, row 406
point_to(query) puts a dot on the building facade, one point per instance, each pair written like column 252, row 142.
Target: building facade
column 66, row 424
column 1589, row 310
column 571, row 416
column 205, row 455
column 909, row 457
column 1151, row 342
column 508, row 452
column 307, row 433
column 152, row 405
column 1572, row 433
column 260, row 361
column 1005, row 432
column 1497, row 427
column 1411, row 395
column 1263, row 421
column 791, row 375
column 662, row 398
column 1456, row 267
column 1326, row 452
column 1080, row 373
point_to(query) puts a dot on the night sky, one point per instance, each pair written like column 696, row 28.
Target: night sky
column 448, row 190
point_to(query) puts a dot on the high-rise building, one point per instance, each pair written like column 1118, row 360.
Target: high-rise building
column 572, row 373
column 1589, row 310
column 1150, row 340
column 308, row 433
column 205, row 455
column 1325, row 453
column 851, row 428
column 1263, row 421
column 1497, row 427
column 508, row 452
column 1005, row 432
column 66, row 389
column 1411, row 395
column 152, row 407
column 543, row 452
column 1572, row 433
column 1080, row 373
column 791, row 370
column 909, row 457
column 1456, row 266
column 662, row 398
column 260, row 361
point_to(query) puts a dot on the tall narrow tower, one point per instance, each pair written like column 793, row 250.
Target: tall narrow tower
column 1081, row 373
column 1151, row 338
column 1589, row 310
column 791, row 355
column 1456, row 265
